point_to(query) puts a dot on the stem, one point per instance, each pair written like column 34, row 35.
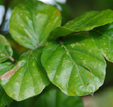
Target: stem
column 11, row 58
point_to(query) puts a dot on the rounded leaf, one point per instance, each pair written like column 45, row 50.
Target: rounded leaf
column 32, row 21
column 27, row 77
column 5, row 49
column 75, row 65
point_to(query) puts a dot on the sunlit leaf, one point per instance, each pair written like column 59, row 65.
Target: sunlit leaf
column 85, row 22
column 4, row 67
column 75, row 65
column 103, row 37
column 32, row 21
column 27, row 77
column 4, row 98
column 5, row 49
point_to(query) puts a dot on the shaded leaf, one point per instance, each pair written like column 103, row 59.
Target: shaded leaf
column 24, row 103
column 32, row 21
column 103, row 37
column 85, row 22
column 27, row 77
column 5, row 49
column 50, row 98
column 75, row 65
column 4, row 98
column 55, row 98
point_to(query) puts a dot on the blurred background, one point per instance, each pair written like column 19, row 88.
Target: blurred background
column 69, row 9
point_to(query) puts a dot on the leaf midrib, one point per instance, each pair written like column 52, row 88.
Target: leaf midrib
column 72, row 61
column 106, row 36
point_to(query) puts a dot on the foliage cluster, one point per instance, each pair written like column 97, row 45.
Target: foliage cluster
column 71, row 57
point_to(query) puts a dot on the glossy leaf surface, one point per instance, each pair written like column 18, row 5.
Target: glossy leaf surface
column 103, row 37
column 75, row 65
column 85, row 22
column 55, row 98
column 32, row 21
column 27, row 77
column 4, row 67
column 5, row 49
column 4, row 98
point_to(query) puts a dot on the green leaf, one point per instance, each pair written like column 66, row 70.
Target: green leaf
column 85, row 22
column 27, row 77
column 50, row 98
column 103, row 37
column 55, row 98
column 75, row 65
column 5, row 49
column 4, row 67
column 4, row 99
column 32, row 21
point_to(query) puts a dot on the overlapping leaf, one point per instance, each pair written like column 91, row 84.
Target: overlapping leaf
column 85, row 22
column 50, row 98
column 32, row 21
column 5, row 49
column 75, row 65
column 27, row 77
column 55, row 98
column 103, row 37
column 4, row 98
column 4, row 67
